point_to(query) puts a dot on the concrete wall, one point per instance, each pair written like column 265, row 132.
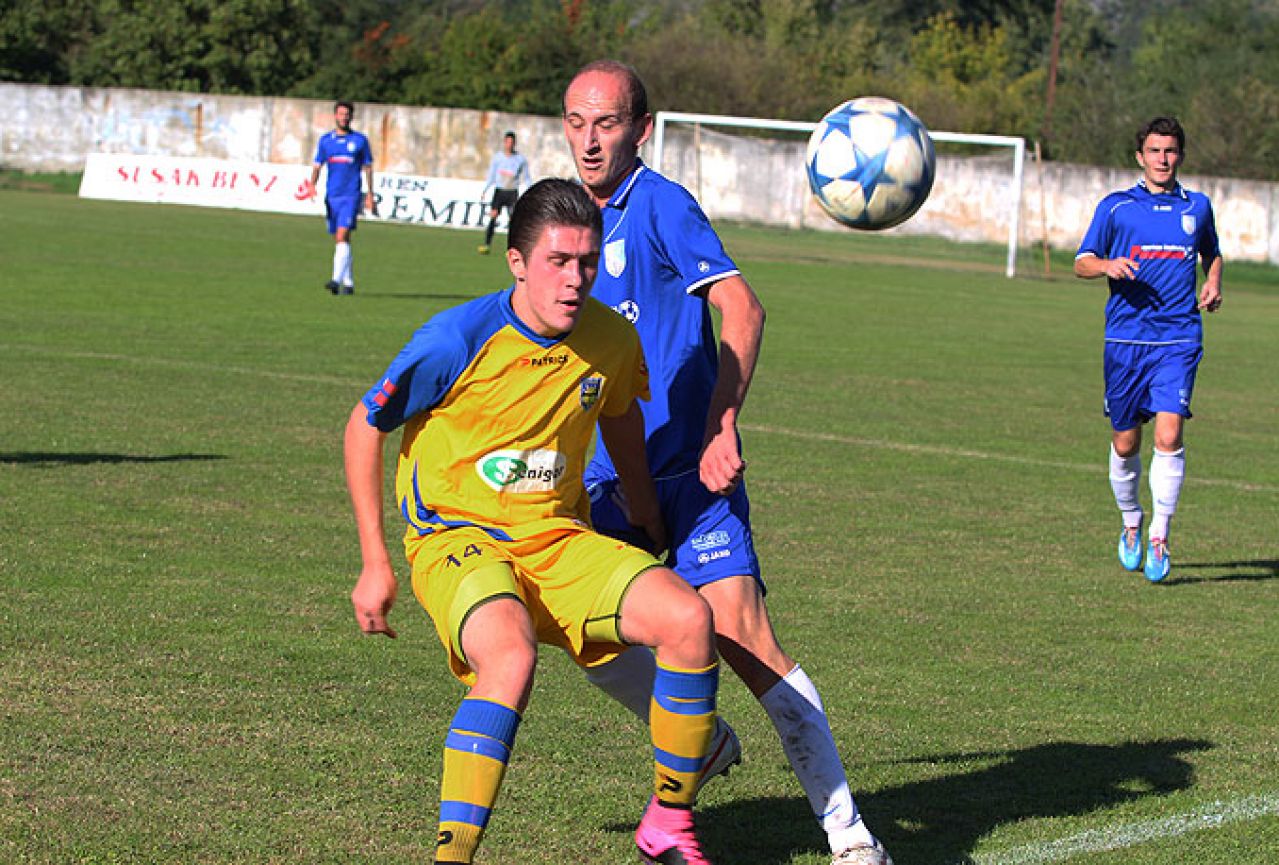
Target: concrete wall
column 735, row 177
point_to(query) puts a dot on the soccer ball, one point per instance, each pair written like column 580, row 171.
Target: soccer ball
column 870, row 163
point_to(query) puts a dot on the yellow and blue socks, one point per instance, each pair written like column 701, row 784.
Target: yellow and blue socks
column 681, row 722
column 476, row 752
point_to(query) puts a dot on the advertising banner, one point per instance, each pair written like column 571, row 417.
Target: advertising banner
column 276, row 188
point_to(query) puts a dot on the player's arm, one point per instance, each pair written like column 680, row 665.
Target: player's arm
column 1210, row 291
column 740, row 335
column 623, row 435
column 370, row 203
column 1088, row 266
column 375, row 590
column 315, row 177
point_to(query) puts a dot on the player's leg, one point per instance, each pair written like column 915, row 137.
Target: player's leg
column 628, row 678
column 499, row 645
column 468, row 587
column 748, row 643
column 1172, row 385
column 1125, row 483
column 1125, row 406
column 661, row 610
column 343, row 258
column 341, row 246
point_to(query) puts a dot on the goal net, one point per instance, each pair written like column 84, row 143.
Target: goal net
column 975, row 197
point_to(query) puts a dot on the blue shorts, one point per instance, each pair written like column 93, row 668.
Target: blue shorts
column 1142, row 380
column 709, row 535
column 342, row 212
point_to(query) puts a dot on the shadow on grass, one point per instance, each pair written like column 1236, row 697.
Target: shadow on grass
column 1223, row 572
column 939, row 821
column 40, row 458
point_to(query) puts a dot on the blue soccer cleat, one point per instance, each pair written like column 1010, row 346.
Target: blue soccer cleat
column 1130, row 548
column 1158, row 560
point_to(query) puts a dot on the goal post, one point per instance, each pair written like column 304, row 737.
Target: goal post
column 1016, row 144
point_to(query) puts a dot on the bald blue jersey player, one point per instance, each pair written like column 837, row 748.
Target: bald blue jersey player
column 1147, row 241
column 663, row 267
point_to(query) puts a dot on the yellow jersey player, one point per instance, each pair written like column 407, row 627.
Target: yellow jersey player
column 498, row 399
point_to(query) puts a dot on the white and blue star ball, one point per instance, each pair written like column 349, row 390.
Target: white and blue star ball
column 870, row 163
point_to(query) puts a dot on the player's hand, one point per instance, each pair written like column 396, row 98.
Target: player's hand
column 373, row 597
column 1121, row 268
column 722, row 466
column 655, row 530
column 370, row 204
column 1210, row 297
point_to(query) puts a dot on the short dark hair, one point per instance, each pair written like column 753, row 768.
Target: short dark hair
column 1161, row 126
column 509, row 134
column 552, row 201
column 342, row 103
column 637, row 96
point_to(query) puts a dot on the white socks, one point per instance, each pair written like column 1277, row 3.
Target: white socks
column 1167, row 470
column 796, row 711
column 1125, row 476
column 342, row 264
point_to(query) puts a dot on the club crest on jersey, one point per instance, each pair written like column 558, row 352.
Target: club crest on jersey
column 615, row 257
column 516, row 471
column 1188, row 223
column 629, row 310
column 590, row 392
column 350, row 147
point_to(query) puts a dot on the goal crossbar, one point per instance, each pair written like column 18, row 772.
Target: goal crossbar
column 1017, row 144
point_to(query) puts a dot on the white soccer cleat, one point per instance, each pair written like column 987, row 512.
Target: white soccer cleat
column 725, row 752
column 863, row 854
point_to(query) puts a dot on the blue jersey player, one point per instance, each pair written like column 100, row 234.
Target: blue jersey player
column 1147, row 241
column 347, row 157
column 663, row 267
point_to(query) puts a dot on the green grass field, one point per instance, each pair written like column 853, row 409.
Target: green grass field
column 181, row 679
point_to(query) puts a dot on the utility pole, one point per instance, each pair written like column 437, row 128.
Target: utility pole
column 1046, row 133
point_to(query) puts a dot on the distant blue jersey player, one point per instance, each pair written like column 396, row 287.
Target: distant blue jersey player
column 663, row 267
column 346, row 156
column 1148, row 241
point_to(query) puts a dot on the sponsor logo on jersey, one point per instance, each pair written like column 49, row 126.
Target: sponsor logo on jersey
column 554, row 360
column 1160, row 250
column 590, row 390
column 629, row 310
column 707, row 558
column 710, row 541
column 513, row 471
column 703, row 267
column 615, row 257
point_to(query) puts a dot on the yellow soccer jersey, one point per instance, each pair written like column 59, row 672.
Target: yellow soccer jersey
column 498, row 420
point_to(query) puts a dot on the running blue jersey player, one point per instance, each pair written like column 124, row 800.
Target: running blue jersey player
column 347, row 157
column 1147, row 241
column 663, row 267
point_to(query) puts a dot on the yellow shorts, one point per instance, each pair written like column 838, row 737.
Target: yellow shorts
column 571, row 580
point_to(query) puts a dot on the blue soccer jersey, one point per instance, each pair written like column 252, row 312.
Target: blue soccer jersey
column 1165, row 233
column 344, row 156
column 659, row 249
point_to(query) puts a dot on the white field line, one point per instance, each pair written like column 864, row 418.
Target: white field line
column 1122, row 835
column 806, row 435
column 967, row 453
